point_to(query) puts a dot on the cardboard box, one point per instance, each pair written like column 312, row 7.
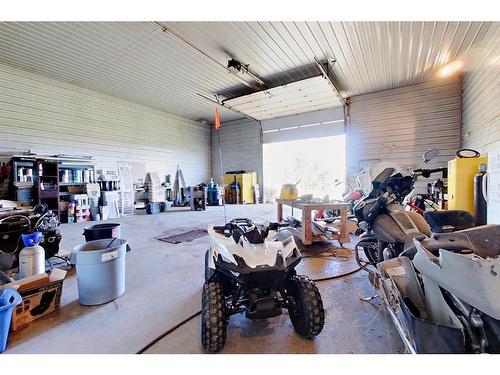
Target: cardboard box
column 41, row 296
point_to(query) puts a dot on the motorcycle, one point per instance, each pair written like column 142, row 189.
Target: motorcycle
column 432, row 272
column 388, row 227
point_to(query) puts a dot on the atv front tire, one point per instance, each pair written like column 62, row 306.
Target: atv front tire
column 308, row 315
column 213, row 317
column 208, row 271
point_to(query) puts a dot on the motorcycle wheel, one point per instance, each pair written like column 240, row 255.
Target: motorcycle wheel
column 213, row 317
column 308, row 315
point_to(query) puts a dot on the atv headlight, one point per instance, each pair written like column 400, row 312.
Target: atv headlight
column 280, row 262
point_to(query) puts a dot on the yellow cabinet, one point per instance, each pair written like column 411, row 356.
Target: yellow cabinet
column 461, row 172
column 247, row 182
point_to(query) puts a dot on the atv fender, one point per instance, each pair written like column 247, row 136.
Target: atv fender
column 470, row 278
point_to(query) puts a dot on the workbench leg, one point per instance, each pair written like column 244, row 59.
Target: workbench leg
column 344, row 235
column 279, row 212
column 306, row 227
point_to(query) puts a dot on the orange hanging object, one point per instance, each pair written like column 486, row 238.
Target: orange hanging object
column 217, row 119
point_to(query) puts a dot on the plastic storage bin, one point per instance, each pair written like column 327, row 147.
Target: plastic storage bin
column 152, row 208
column 9, row 299
column 102, row 231
column 100, row 270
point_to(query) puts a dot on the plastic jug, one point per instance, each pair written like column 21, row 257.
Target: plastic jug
column 32, row 257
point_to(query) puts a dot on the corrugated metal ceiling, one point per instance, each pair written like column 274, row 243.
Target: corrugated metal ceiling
column 370, row 56
column 138, row 62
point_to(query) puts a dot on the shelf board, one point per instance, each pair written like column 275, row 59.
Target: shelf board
column 72, row 183
column 76, row 167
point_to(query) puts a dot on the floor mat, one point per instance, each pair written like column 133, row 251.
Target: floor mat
column 185, row 237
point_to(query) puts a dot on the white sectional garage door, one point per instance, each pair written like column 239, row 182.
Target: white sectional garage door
column 315, row 124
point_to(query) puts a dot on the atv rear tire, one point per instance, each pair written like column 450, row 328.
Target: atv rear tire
column 213, row 317
column 208, row 271
column 308, row 315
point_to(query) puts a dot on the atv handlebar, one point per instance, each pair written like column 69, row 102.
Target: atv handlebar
column 242, row 223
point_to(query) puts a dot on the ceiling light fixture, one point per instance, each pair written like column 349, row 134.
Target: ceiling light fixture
column 450, row 68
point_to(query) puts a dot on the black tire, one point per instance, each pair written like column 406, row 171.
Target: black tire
column 308, row 315
column 208, row 271
column 213, row 317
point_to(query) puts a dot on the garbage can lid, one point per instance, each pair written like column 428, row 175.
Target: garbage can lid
column 102, row 226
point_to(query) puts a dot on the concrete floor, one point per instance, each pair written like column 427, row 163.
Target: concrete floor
column 163, row 288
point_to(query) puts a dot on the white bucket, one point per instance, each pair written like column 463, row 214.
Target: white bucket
column 100, row 270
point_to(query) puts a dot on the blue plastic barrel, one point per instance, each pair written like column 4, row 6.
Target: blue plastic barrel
column 9, row 299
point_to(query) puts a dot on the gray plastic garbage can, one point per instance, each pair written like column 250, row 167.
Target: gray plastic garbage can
column 100, row 270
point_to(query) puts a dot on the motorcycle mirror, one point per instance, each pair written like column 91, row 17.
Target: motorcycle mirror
column 429, row 155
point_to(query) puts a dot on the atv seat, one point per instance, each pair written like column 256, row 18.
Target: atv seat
column 484, row 241
column 449, row 221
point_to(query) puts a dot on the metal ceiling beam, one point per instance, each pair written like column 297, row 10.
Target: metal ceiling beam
column 204, row 55
column 327, row 76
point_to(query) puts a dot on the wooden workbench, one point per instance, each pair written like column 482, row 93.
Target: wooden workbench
column 307, row 235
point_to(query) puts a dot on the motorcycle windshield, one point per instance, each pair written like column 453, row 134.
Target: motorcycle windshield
column 382, row 177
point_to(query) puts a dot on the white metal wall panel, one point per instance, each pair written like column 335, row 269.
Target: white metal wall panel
column 481, row 94
column 52, row 117
column 241, row 146
column 315, row 124
column 399, row 125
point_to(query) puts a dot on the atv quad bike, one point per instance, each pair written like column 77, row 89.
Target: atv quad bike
column 251, row 268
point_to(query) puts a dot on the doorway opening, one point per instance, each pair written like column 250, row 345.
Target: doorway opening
column 316, row 162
